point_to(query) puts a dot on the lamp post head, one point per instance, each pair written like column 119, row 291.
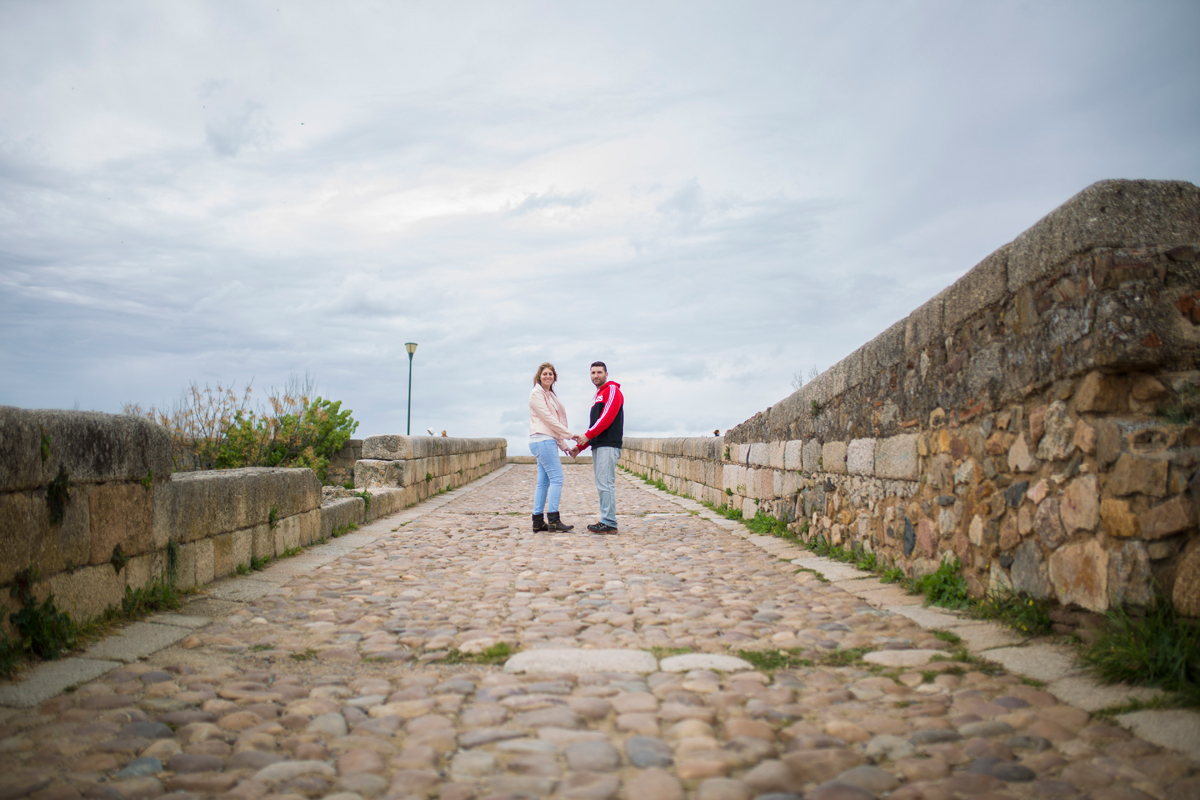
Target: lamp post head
column 411, row 347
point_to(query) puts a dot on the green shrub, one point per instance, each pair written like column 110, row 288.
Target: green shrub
column 42, row 630
column 215, row 429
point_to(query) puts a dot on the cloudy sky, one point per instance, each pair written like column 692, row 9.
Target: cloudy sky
column 709, row 196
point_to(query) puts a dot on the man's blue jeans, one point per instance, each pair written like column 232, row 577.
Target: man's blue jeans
column 549, row 476
column 604, row 466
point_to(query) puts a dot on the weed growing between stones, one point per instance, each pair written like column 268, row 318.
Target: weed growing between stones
column 724, row 510
column 273, row 517
column 771, row 660
column 945, row 586
column 655, row 482
column 342, row 530
column 259, row 563
column 769, row 525
column 243, row 569
column 1152, row 647
column 819, row 575
column 366, row 498
column 667, row 652
column 496, row 654
column 308, row 655
column 1017, row 610
column 963, row 656
column 157, row 595
column 58, row 496
column 42, row 630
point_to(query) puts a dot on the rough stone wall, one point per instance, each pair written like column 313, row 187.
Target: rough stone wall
column 126, row 520
column 123, row 513
column 1033, row 419
column 341, row 465
column 422, row 466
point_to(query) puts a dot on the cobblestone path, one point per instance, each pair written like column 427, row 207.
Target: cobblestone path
column 326, row 677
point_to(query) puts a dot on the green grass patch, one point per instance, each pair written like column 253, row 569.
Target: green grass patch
column 342, row 530
column 496, row 654
column 947, row 636
column 44, row 632
column 308, row 655
column 771, row 526
column 1017, row 610
column 850, row 656
column 667, row 652
column 1166, row 701
column 771, row 660
column 1151, row 647
column 945, row 586
column 728, row 512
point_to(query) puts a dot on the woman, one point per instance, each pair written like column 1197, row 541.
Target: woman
column 547, row 435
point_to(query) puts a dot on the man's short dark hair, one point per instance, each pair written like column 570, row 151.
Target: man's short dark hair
column 600, row 364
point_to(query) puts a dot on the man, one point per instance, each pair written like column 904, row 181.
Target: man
column 604, row 435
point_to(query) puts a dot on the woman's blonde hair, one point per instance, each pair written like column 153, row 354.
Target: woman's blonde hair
column 537, row 376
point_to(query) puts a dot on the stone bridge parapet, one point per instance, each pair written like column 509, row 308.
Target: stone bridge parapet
column 89, row 505
column 1034, row 419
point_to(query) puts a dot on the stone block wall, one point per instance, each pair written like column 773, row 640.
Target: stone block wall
column 421, row 466
column 691, row 466
column 73, row 487
column 1033, row 420
column 219, row 520
column 89, row 503
column 341, row 466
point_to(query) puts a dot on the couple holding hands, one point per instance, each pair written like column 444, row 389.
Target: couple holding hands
column 548, row 434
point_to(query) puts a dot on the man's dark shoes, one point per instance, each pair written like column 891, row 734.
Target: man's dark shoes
column 539, row 523
column 555, row 524
column 600, row 527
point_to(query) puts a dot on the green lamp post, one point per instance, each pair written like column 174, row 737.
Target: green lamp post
column 411, row 347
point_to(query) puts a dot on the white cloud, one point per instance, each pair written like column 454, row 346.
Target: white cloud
column 707, row 196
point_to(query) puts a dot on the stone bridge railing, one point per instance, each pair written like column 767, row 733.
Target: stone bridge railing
column 89, row 504
column 1032, row 420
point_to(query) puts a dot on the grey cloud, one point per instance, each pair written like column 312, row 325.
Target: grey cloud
column 541, row 202
column 708, row 210
column 237, row 129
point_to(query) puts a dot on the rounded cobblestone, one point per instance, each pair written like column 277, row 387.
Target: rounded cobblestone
column 372, row 675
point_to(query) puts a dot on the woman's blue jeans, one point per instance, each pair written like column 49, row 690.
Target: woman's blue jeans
column 549, row 477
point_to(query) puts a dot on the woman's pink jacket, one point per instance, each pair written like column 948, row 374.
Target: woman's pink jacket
column 547, row 415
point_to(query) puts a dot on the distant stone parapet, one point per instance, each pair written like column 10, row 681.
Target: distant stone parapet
column 421, row 466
